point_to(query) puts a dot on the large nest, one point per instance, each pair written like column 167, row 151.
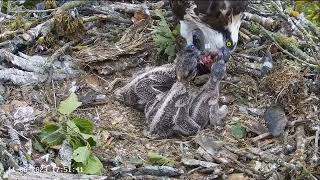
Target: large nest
column 288, row 88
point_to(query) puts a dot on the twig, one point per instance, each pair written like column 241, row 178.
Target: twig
column 310, row 25
column 99, row 17
column 254, row 49
column 261, row 12
column 266, row 22
column 285, row 51
column 315, row 158
column 286, row 17
column 7, row 34
column 15, row 141
column 301, row 143
column 51, row 176
column 54, row 95
column 298, row 121
column 7, row 16
column 55, row 56
column 194, row 169
column 33, row 68
column 113, row 83
column 272, row 158
column 33, row 11
column 260, row 137
column 255, row 58
column 69, row 5
column 42, row 29
column 248, row 33
column 131, row 8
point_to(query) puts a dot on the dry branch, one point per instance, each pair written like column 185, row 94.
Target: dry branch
column 100, row 17
column 269, row 23
column 7, row 16
column 34, row 67
column 42, row 29
column 6, row 35
column 132, row 8
column 301, row 143
column 51, row 176
column 309, row 62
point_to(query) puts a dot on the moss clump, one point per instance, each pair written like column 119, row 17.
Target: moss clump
column 310, row 8
column 47, row 41
column 5, row 4
column 68, row 26
column 254, row 28
column 294, row 13
column 286, row 41
column 50, row 4
column 18, row 23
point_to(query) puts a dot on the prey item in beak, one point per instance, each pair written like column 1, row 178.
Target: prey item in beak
column 207, row 59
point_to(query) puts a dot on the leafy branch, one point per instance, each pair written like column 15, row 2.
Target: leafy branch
column 164, row 39
column 79, row 134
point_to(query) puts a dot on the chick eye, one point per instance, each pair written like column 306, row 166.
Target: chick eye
column 229, row 44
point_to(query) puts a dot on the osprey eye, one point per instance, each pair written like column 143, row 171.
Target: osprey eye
column 229, row 44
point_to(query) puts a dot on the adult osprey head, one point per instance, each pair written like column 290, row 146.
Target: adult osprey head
column 210, row 25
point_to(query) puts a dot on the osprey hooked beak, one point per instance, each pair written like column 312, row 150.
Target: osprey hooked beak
column 215, row 38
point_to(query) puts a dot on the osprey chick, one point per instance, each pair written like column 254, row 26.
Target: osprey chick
column 210, row 25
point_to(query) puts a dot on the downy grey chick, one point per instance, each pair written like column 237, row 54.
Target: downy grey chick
column 204, row 107
column 186, row 63
column 182, row 112
column 145, row 86
column 168, row 114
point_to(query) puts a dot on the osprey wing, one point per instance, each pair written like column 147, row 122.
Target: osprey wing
column 179, row 7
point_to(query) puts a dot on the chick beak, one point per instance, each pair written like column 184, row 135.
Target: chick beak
column 224, row 52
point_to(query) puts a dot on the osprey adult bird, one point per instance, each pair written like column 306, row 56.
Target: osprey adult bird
column 212, row 26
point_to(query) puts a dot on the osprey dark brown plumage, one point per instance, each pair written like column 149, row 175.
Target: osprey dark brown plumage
column 210, row 11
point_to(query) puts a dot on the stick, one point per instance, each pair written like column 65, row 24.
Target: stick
column 315, row 158
column 285, row 51
column 301, row 143
column 51, row 176
column 266, row 22
column 32, row 11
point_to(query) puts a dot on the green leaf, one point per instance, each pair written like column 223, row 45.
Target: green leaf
column 81, row 154
column 238, row 131
column 176, row 30
column 52, row 135
column 72, row 128
column 93, row 167
column 85, row 125
column 38, row 146
column 170, row 50
column 92, row 140
column 69, row 105
column 157, row 159
column 164, row 39
column 76, row 141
